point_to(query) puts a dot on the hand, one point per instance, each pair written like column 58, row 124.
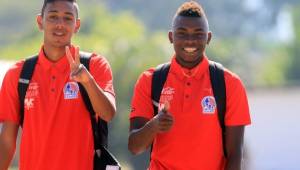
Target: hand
column 78, row 71
column 163, row 121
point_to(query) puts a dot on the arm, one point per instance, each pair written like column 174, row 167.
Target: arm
column 101, row 101
column 234, row 147
column 8, row 136
column 143, row 131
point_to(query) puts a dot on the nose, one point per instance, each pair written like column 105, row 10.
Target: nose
column 59, row 23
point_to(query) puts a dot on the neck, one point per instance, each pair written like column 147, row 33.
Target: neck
column 54, row 53
column 188, row 65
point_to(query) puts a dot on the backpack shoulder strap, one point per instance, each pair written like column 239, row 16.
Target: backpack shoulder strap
column 99, row 128
column 158, row 80
column 219, row 89
column 24, row 80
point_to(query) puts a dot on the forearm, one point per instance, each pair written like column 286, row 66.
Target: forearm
column 8, row 135
column 141, row 139
column 234, row 162
column 6, row 155
column 234, row 147
column 100, row 101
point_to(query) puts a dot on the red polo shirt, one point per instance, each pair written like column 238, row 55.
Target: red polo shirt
column 195, row 141
column 57, row 131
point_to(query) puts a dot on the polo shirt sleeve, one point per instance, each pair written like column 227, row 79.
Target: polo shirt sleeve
column 141, row 103
column 237, row 108
column 102, row 73
column 9, row 98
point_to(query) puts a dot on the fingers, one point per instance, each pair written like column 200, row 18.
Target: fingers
column 77, row 57
column 165, row 122
column 69, row 56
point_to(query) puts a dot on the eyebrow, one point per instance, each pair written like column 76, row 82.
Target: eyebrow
column 55, row 11
column 197, row 29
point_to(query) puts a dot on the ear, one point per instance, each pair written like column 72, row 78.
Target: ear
column 171, row 37
column 39, row 21
column 209, row 37
column 77, row 26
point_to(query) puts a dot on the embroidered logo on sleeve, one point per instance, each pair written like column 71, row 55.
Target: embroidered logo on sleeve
column 208, row 105
column 71, row 90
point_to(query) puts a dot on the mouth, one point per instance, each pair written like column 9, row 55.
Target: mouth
column 59, row 33
column 190, row 49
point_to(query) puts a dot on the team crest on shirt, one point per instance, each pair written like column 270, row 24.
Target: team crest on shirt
column 71, row 90
column 208, row 105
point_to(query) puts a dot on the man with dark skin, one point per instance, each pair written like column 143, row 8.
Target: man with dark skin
column 57, row 132
column 184, row 135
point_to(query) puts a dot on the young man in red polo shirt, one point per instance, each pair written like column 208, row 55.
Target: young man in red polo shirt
column 57, row 132
column 186, row 134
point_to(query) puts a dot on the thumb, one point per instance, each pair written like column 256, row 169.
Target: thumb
column 166, row 107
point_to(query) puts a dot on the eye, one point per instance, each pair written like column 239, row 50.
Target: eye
column 68, row 18
column 200, row 34
column 53, row 17
column 180, row 34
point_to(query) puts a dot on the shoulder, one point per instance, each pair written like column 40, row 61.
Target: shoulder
column 99, row 59
column 12, row 74
column 234, row 84
column 99, row 63
column 146, row 75
column 15, row 69
column 231, row 77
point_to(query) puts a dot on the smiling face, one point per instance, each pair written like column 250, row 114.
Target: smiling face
column 59, row 22
column 189, row 36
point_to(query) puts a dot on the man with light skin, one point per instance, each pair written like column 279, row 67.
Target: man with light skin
column 186, row 134
column 57, row 132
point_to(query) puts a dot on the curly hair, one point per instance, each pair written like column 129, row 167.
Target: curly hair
column 190, row 9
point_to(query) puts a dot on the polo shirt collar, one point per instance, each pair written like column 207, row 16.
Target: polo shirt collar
column 62, row 65
column 196, row 72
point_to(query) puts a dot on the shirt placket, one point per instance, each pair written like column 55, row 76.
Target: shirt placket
column 187, row 99
column 53, row 82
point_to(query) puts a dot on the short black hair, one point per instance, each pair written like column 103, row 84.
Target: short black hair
column 52, row 1
column 190, row 9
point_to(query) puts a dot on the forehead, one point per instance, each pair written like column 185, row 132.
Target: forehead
column 61, row 6
column 190, row 23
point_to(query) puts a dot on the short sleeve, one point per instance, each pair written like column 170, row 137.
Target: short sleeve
column 9, row 98
column 102, row 73
column 141, row 103
column 237, row 108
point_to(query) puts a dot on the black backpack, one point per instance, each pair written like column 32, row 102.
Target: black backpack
column 100, row 130
column 216, row 71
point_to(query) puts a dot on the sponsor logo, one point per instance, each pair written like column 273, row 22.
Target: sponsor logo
column 28, row 103
column 167, row 94
column 33, row 90
column 71, row 90
column 208, row 105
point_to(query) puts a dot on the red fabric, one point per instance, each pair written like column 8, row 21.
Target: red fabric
column 57, row 131
column 195, row 140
